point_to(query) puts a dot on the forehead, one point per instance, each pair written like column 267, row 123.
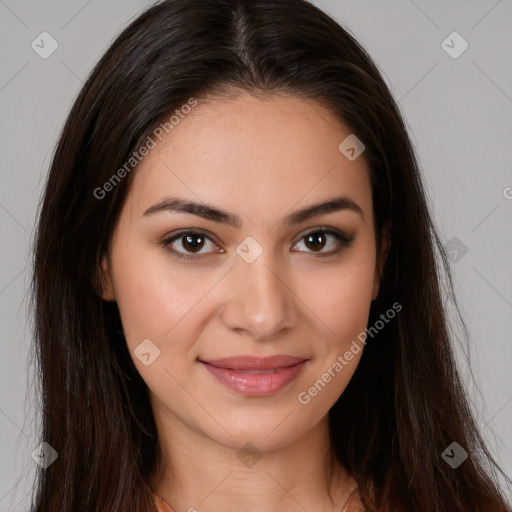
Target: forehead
column 252, row 154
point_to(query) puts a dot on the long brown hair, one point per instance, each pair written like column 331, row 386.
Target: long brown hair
column 407, row 403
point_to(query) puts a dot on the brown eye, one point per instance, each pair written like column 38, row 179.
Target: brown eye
column 193, row 243
column 189, row 244
column 317, row 240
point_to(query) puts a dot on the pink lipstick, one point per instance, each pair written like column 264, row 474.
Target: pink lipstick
column 255, row 376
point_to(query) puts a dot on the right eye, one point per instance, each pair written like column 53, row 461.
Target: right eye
column 187, row 244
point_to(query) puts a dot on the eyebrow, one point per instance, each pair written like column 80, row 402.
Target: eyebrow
column 174, row 204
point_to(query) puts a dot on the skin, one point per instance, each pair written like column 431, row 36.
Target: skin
column 261, row 159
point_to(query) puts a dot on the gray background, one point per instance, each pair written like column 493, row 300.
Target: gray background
column 459, row 113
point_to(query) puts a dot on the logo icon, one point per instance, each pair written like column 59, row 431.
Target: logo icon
column 44, row 455
column 44, row 45
column 146, row 352
column 249, row 249
column 351, row 147
column 455, row 455
column 249, row 455
column 454, row 45
column 455, row 249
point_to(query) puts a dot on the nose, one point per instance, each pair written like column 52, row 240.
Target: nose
column 261, row 300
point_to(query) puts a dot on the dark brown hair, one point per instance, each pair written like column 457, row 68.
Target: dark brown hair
column 407, row 403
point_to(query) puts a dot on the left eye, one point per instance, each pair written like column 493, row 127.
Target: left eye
column 318, row 239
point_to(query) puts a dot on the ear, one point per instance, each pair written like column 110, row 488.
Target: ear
column 107, row 287
column 385, row 244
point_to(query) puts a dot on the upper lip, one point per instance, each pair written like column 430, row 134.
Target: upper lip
column 247, row 362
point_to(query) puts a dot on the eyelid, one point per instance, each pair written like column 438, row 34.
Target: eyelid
column 186, row 231
column 324, row 229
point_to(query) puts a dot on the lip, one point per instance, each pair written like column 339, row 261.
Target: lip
column 255, row 376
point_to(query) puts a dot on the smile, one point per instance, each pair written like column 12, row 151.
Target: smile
column 255, row 376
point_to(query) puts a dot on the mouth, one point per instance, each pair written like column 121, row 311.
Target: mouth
column 255, row 376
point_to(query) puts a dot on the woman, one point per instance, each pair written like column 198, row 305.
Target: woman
column 238, row 302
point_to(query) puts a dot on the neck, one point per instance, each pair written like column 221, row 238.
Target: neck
column 197, row 473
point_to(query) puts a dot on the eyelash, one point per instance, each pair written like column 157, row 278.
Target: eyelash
column 344, row 241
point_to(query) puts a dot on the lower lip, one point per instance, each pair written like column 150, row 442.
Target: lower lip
column 255, row 384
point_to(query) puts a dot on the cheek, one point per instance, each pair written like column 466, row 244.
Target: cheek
column 341, row 300
column 341, row 297
column 155, row 299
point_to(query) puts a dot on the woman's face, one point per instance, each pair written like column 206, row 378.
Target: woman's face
column 245, row 318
